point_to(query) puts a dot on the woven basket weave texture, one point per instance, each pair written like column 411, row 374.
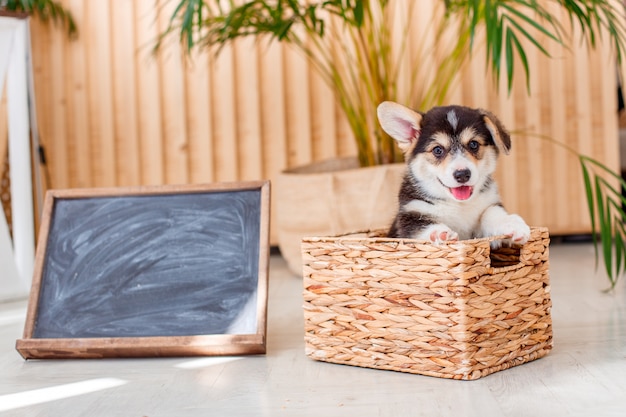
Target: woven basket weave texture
column 457, row 310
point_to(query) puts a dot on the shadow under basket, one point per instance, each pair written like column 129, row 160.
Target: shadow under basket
column 457, row 310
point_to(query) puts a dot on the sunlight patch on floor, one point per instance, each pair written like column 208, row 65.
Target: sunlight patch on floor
column 12, row 316
column 43, row 395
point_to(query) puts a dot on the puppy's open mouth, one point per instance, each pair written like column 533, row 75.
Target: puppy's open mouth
column 463, row 192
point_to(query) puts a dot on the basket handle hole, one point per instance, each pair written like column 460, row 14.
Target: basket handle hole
column 505, row 256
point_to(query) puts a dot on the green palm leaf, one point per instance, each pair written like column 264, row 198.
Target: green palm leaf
column 46, row 10
column 606, row 210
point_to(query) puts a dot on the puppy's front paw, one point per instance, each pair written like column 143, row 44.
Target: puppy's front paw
column 439, row 233
column 515, row 229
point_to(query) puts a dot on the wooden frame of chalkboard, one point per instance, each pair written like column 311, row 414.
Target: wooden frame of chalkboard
column 150, row 271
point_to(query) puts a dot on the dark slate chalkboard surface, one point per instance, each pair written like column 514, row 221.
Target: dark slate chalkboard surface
column 150, row 271
column 151, row 265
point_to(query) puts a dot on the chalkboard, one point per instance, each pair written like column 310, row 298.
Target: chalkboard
column 150, row 271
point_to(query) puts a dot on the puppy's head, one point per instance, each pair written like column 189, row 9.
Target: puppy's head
column 451, row 150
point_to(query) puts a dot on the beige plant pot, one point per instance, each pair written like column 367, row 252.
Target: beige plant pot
column 330, row 198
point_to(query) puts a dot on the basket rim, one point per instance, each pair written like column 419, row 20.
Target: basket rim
column 535, row 233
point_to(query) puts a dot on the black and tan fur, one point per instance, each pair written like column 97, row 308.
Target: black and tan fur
column 448, row 192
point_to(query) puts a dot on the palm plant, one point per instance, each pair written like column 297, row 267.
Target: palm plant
column 351, row 44
column 45, row 10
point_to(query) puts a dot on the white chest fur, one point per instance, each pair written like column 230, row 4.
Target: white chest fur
column 463, row 217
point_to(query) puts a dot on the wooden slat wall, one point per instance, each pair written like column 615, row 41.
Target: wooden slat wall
column 112, row 114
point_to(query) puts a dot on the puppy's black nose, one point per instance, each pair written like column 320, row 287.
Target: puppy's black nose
column 462, row 175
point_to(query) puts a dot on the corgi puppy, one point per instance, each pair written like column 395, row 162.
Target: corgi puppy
column 448, row 192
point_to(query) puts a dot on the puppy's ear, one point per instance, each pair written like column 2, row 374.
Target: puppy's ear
column 401, row 123
column 499, row 134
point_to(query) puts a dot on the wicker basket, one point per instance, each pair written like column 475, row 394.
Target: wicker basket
column 457, row 310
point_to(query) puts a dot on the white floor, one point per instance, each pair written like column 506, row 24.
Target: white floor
column 585, row 374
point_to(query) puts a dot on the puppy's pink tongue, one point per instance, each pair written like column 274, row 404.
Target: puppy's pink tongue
column 462, row 193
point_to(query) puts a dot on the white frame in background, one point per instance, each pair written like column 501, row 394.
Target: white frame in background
column 17, row 257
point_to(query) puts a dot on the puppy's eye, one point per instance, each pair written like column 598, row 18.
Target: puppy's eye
column 473, row 145
column 438, row 151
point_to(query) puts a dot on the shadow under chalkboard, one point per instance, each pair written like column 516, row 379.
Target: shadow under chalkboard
column 158, row 271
